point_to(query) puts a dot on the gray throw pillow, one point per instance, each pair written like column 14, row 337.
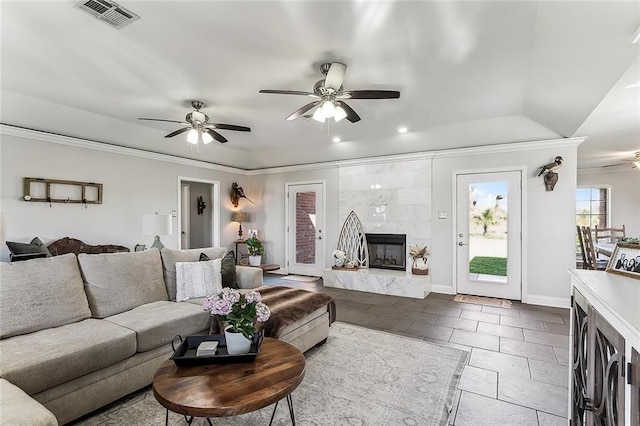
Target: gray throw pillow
column 228, row 270
column 35, row 246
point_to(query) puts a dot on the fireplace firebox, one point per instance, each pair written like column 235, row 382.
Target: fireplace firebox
column 387, row 251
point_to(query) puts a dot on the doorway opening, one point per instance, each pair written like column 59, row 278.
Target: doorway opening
column 198, row 213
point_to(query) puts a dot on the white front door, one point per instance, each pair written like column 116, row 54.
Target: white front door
column 488, row 234
column 305, row 208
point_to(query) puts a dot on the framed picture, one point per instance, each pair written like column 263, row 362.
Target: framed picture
column 252, row 233
column 625, row 260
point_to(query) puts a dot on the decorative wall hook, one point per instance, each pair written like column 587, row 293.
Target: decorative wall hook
column 201, row 205
column 236, row 193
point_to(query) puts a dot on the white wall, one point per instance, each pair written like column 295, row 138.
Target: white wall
column 548, row 229
column 133, row 186
column 625, row 195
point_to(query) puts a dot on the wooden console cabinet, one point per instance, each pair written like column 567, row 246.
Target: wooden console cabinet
column 605, row 341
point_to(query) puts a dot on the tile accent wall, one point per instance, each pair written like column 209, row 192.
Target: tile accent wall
column 389, row 197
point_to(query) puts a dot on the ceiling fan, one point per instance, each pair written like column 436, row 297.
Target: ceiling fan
column 332, row 95
column 200, row 127
column 635, row 161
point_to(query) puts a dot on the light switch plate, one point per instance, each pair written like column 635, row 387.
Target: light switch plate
column 442, row 215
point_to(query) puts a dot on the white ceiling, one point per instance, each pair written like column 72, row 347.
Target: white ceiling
column 469, row 73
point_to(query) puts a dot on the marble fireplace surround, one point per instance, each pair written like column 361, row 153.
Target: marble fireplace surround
column 389, row 197
column 393, row 283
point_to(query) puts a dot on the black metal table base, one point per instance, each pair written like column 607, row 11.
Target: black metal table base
column 189, row 420
column 290, row 405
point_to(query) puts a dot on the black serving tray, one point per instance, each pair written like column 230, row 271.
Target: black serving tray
column 185, row 354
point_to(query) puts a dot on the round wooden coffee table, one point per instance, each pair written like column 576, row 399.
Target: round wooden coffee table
column 223, row 390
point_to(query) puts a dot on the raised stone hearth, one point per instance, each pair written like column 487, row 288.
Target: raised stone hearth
column 393, row 283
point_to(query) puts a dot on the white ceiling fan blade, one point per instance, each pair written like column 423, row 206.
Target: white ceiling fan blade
column 335, row 76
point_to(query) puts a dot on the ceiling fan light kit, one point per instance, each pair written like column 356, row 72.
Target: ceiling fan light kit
column 192, row 136
column 199, row 126
column 332, row 95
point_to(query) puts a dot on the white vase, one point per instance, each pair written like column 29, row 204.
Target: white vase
column 236, row 342
column 255, row 260
column 338, row 262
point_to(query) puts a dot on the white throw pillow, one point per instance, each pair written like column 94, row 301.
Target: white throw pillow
column 198, row 279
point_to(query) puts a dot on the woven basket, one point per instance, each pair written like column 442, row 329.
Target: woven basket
column 418, row 271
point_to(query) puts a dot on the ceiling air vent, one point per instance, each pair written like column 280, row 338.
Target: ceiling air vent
column 108, row 12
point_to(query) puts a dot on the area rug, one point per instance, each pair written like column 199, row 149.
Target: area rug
column 359, row 377
column 300, row 278
column 480, row 300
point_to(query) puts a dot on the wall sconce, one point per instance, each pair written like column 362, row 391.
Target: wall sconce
column 240, row 216
column 156, row 224
column 236, row 193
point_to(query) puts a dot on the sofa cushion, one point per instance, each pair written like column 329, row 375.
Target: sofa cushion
column 198, row 279
column 118, row 282
column 19, row 409
column 41, row 293
column 171, row 256
column 157, row 323
column 38, row 361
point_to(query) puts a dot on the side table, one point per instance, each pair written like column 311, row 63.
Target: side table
column 223, row 390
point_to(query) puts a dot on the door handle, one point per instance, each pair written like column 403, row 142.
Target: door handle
column 460, row 243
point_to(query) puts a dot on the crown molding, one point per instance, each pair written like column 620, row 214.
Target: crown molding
column 25, row 133
column 510, row 147
column 608, row 170
column 39, row 135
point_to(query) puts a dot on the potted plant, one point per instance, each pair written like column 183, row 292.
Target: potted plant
column 239, row 312
column 255, row 248
column 419, row 255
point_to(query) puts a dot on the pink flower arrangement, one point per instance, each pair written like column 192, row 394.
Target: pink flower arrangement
column 239, row 311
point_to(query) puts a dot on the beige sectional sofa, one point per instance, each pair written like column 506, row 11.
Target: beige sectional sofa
column 77, row 333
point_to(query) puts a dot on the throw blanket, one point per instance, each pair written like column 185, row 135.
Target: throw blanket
column 72, row 245
column 287, row 306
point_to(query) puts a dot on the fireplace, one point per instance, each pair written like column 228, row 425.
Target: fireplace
column 387, row 251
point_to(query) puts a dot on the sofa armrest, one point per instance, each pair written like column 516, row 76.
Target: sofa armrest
column 248, row 277
column 18, row 408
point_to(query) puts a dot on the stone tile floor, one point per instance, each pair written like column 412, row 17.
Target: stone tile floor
column 517, row 371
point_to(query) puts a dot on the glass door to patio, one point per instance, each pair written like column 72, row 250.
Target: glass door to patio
column 488, row 234
column 305, row 228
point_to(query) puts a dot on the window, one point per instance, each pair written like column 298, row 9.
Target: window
column 592, row 207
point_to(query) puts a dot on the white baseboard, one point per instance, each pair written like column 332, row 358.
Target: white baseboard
column 441, row 288
column 556, row 302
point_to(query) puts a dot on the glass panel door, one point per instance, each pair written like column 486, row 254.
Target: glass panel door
column 488, row 234
column 305, row 238
column 488, row 244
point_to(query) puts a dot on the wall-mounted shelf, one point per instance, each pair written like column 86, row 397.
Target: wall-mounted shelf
column 53, row 191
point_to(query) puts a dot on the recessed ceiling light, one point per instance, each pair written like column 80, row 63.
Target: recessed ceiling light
column 402, row 130
column 337, row 139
